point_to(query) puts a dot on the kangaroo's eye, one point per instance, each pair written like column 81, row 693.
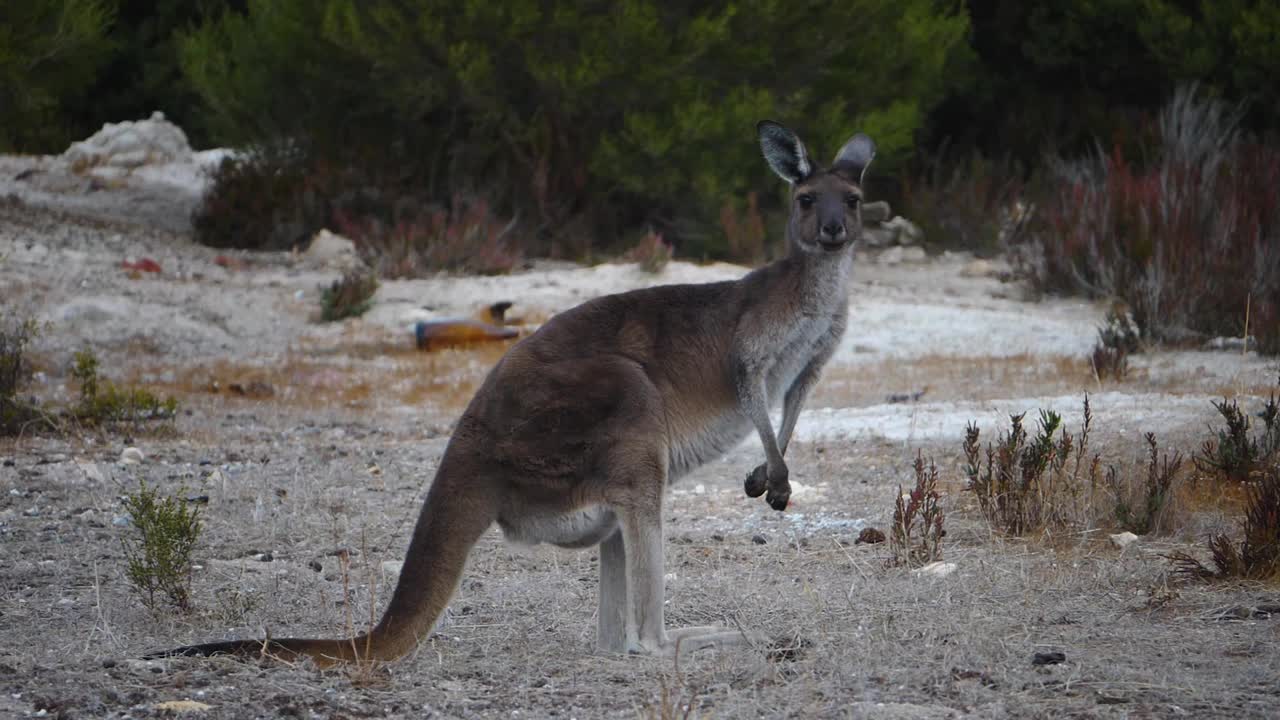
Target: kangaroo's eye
column 805, row 200
column 852, row 201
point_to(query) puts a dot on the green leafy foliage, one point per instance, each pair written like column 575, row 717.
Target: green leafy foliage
column 349, row 296
column 49, row 55
column 1061, row 73
column 577, row 117
column 1236, row 453
column 104, row 403
column 165, row 532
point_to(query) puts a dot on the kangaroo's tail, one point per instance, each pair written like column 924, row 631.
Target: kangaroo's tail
column 460, row 506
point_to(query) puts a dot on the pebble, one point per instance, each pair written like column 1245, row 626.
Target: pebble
column 1048, row 658
column 1123, row 540
column 131, row 456
column 936, row 569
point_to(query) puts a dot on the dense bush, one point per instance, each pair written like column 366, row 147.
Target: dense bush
column 579, row 118
column 140, row 73
column 1061, row 73
column 49, row 54
column 1189, row 238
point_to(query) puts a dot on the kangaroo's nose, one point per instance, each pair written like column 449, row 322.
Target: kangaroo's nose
column 833, row 229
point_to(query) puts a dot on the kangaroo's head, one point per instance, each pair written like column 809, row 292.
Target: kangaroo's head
column 826, row 204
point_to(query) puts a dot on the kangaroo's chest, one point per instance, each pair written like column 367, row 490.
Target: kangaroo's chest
column 810, row 336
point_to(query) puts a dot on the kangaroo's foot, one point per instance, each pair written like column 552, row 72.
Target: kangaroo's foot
column 680, row 641
column 777, row 485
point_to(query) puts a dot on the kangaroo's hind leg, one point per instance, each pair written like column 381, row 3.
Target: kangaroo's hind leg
column 635, row 592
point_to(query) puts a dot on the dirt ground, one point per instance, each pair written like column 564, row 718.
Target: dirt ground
column 317, row 442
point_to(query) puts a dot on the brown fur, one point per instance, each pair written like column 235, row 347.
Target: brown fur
column 576, row 433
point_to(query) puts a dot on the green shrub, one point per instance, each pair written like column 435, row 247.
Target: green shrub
column 1061, row 75
column 165, row 532
column 103, row 402
column 349, row 296
column 50, row 51
column 966, row 202
column 1236, row 454
column 1019, row 485
column 579, row 118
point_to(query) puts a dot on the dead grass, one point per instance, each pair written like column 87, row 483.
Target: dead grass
column 944, row 377
column 366, row 375
column 520, row 633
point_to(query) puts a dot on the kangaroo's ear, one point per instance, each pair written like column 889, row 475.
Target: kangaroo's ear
column 854, row 157
column 784, row 152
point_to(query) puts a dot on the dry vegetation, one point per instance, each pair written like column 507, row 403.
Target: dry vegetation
column 299, row 534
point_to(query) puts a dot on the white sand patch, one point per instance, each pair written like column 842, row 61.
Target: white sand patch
column 903, row 327
column 543, row 292
column 1117, row 412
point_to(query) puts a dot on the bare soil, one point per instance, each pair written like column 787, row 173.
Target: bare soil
column 317, row 443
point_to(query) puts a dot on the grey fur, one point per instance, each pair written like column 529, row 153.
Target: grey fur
column 578, row 431
column 783, row 151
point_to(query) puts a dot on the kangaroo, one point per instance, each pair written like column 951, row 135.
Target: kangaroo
column 575, row 434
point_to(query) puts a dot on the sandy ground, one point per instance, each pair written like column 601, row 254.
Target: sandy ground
column 334, row 450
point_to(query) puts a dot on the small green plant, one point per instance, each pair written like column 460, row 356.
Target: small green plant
column 1236, row 454
column 1257, row 555
column 1144, row 509
column 916, row 538
column 349, row 296
column 652, row 253
column 103, row 402
column 166, row 530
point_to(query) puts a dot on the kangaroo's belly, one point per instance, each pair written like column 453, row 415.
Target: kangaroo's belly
column 578, row 528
